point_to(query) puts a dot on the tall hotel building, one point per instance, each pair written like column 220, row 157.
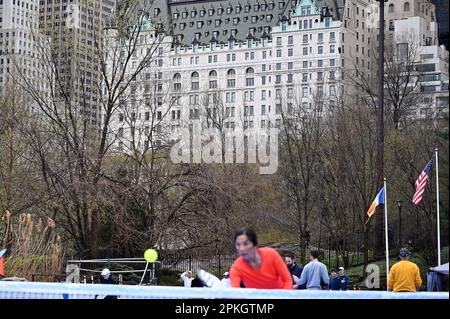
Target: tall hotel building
column 21, row 44
column 246, row 62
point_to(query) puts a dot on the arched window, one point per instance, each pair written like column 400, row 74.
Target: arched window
column 177, row 82
column 406, row 6
column 213, row 79
column 391, row 8
column 249, row 77
column 194, row 81
column 231, row 81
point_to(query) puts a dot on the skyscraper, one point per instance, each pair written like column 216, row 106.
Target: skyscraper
column 442, row 20
column 75, row 28
column 21, row 44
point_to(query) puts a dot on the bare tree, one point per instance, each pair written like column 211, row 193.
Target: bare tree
column 301, row 134
column 71, row 151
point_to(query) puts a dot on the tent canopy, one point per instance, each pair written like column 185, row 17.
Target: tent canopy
column 442, row 269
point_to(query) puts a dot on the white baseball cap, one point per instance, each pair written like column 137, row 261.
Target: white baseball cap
column 105, row 272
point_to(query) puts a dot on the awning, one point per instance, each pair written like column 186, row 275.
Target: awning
column 442, row 269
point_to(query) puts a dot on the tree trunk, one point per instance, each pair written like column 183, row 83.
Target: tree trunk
column 94, row 233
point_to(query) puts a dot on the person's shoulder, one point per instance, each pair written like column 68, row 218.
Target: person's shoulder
column 397, row 265
column 238, row 262
column 322, row 265
column 269, row 251
column 413, row 264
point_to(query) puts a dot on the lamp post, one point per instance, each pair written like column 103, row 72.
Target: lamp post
column 399, row 204
column 378, row 249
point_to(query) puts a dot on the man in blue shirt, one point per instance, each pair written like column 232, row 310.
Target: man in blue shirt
column 343, row 279
column 334, row 280
column 314, row 274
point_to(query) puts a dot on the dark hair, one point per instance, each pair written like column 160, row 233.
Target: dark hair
column 250, row 233
column 197, row 283
column 315, row 253
column 290, row 255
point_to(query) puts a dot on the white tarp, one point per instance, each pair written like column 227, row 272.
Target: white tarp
column 442, row 269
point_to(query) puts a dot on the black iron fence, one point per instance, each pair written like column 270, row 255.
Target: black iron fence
column 334, row 253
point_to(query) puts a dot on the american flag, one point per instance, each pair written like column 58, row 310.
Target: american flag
column 421, row 182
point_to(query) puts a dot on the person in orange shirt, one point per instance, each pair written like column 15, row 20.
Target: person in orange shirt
column 2, row 263
column 404, row 276
column 257, row 267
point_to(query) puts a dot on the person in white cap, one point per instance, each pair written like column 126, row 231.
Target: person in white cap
column 106, row 278
column 225, row 282
column 187, row 278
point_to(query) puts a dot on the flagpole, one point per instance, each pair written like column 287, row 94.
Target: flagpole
column 386, row 233
column 437, row 209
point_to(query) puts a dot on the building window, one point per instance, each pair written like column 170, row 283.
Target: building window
column 332, row 90
column 213, row 79
column 391, row 8
column 320, row 91
column 327, row 22
column 320, row 49
column 290, row 39
column 278, row 79
column 250, row 80
column 290, row 93
column 305, row 91
column 332, row 36
column 305, row 24
column 290, row 52
column 319, row 37
column 332, row 48
column 319, row 76
column 195, row 81
column 332, row 75
column 305, row 38
column 249, row 96
column 305, row 51
column 406, row 7
column 304, row 77
column 306, row 10
column 177, row 82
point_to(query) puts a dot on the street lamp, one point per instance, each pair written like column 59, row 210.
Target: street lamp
column 399, row 204
column 378, row 249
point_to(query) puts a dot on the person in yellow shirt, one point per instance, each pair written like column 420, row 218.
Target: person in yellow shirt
column 404, row 276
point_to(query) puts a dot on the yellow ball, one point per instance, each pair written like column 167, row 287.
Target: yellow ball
column 150, row 255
